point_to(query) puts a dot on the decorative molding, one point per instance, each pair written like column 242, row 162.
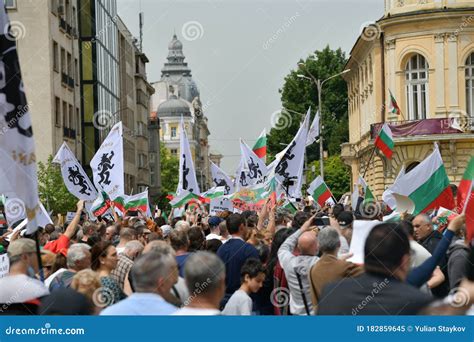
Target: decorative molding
column 452, row 37
column 390, row 44
column 439, row 37
column 452, row 152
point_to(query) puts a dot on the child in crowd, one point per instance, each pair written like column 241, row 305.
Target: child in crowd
column 252, row 276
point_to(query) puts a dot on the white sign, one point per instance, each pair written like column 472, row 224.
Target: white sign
column 4, row 265
column 70, row 216
column 359, row 234
column 219, row 205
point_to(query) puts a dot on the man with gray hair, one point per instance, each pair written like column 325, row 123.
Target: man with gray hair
column 78, row 258
column 329, row 268
column 132, row 250
column 152, row 275
column 204, row 273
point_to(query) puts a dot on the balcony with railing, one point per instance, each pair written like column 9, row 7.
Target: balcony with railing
column 417, row 128
column 69, row 133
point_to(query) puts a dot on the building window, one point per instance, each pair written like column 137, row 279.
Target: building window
column 65, row 116
column 78, row 121
column 470, row 85
column 54, row 7
column 174, row 152
column 142, row 160
column 76, row 71
column 72, row 118
column 416, row 78
column 63, row 61
column 10, row 4
column 55, row 56
column 173, row 132
column 57, row 111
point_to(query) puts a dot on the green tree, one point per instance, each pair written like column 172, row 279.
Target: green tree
column 52, row 191
column 299, row 94
column 336, row 175
column 169, row 175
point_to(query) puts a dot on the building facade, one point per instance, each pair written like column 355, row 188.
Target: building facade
column 135, row 92
column 177, row 95
column 99, row 65
column 49, row 57
column 423, row 53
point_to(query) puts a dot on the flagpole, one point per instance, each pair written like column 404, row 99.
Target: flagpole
column 467, row 201
column 368, row 163
column 38, row 255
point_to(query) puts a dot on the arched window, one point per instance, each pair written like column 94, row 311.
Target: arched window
column 470, row 85
column 411, row 166
column 416, row 78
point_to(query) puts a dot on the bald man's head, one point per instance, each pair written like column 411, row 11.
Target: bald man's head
column 308, row 243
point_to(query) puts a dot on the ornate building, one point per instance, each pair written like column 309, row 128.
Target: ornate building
column 177, row 95
column 423, row 53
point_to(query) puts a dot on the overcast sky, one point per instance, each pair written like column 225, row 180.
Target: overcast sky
column 239, row 52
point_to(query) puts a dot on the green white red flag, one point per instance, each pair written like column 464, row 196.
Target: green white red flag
column 138, row 202
column 427, row 185
column 466, row 198
column 183, row 198
column 320, row 192
column 260, row 147
column 384, row 141
column 394, row 108
column 101, row 204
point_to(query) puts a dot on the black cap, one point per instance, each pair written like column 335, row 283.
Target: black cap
column 345, row 219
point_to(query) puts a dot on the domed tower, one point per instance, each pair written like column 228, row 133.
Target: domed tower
column 177, row 73
column 395, row 7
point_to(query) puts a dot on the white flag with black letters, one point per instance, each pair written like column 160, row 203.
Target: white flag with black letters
column 220, row 178
column 17, row 146
column 107, row 164
column 187, row 173
column 75, row 178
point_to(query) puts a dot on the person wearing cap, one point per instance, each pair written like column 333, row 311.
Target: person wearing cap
column 166, row 230
column 213, row 223
column 20, row 291
column 344, row 227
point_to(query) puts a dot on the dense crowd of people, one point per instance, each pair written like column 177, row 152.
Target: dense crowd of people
column 271, row 262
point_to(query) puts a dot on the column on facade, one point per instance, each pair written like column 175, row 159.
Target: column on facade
column 440, row 65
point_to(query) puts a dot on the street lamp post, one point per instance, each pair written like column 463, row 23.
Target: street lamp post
column 319, row 85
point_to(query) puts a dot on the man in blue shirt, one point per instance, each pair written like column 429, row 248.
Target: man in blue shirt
column 234, row 253
column 153, row 275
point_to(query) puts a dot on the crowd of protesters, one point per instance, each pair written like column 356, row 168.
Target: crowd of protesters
column 271, row 262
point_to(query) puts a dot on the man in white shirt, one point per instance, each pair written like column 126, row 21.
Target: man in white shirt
column 204, row 273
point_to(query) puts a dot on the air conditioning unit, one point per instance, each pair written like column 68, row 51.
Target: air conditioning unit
column 61, row 9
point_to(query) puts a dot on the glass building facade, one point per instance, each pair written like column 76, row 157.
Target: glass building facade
column 99, row 62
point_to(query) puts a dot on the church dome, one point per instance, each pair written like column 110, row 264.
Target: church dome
column 173, row 107
column 175, row 44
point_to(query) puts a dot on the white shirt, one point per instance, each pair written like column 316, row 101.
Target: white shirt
column 213, row 236
column 20, row 288
column 50, row 279
column 240, row 304
column 186, row 311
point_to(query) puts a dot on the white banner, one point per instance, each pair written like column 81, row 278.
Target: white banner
column 241, row 176
column 75, row 178
column 219, row 205
column 220, row 178
column 17, row 146
column 289, row 170
column 107, row 164
column 187, row 173
column 256, row 168
column 313, row 130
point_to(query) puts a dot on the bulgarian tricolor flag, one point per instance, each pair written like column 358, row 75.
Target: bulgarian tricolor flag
column 320, row 192
column 394, row 108
column 101, row 204
column 427, row 185
column 260, row 147
column 466, row 199
column 384, row 141
column 214, row 192
column 137, row 202
column 183, row 198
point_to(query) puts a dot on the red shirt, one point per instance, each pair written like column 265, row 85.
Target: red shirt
column 60, row 245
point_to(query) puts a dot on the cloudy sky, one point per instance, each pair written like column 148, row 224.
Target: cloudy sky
column 240, row 51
